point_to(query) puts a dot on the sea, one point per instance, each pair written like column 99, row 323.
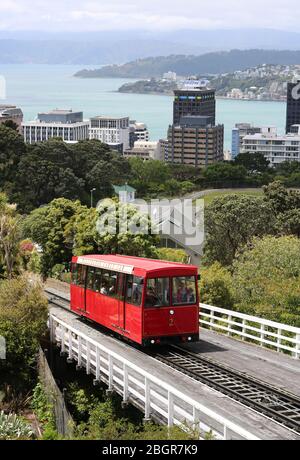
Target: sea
column 39, row 88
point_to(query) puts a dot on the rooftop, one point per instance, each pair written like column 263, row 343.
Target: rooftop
column 123, row 188
column 147, row 265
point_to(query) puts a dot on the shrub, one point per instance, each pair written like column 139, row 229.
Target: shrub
column 14, row 427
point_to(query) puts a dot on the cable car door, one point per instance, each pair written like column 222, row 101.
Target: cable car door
column 121, row 301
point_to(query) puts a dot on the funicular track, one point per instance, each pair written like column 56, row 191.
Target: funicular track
column 275, row 403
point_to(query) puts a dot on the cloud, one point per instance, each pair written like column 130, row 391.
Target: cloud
column 149, row 15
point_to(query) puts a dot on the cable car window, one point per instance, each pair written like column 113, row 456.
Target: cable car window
column 104, row 289
column 97, row 280
column 90, row 278
column 134, row 290
column 74, row 273
column 109, row 283
column 81, row 271
column 184, row 290
column 157, row 292
column 112, row 289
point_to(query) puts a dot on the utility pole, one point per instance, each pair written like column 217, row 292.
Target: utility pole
column 92, row 191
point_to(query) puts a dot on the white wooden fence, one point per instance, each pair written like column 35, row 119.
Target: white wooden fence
column 277, row 336
column 155, row 397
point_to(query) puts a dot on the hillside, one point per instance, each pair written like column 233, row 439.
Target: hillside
column 210, row 63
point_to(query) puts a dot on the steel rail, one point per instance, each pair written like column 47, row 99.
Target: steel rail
column 273, row 402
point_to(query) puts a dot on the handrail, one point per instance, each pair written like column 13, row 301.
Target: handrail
column 282, row 337
column 155, row 396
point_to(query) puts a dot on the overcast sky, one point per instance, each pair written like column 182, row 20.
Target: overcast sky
column 148, row 14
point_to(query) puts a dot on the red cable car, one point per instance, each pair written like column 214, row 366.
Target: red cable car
column 146, row 301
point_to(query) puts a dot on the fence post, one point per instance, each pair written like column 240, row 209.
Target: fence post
column 212, row 320
column 88, row 358
column 147, row 400
column 244, row 329
column 279, row 332
column 125, row 385
column 79, row 355
column 51, row 327
column 297, row 347
column 70, row 345
column 98, row 364
column 262, row 334
column 229, row 325
column 63, row 347
column 170, row 409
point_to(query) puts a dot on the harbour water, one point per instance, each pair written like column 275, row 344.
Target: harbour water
column 37, row 88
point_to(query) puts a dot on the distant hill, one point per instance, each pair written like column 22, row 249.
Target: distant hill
column 210, row 63
column 117, row 46
column 85, row 52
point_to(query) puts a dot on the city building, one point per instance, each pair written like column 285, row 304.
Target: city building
column 196, row 101
column 164, row 149
column 293, row 105
column 170, row 76
column 275, row 148
column 146, row 150
column 65, row 124
column 238, row 133
column 137, row 132
column 11, row 113
column 227, row 155
column 196, row 141
column 113, row 131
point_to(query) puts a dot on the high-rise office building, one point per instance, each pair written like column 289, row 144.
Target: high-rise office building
column 197, row 102
column 195, row 141
column 194, row 137
column 293, row 105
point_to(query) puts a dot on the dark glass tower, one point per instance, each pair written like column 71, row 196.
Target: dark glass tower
column 195, row 102
column 293, row 105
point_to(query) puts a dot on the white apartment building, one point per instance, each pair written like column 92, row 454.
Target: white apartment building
column 66, row 124
column 113, row 131
column 138, row 131
column 275, row 148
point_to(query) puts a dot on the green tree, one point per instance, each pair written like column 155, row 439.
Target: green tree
column 253, row 162
column 231, row 222
column 221, row 173
column 101, row 231
column 12, row 148
column 280, row 198
column 11, row 124
column 147, row 174
column 10, row 236
column 266, row 279
column 216, row 286
column 173, row 255
column 286, row 206
column 23, row 318
column 46, row 226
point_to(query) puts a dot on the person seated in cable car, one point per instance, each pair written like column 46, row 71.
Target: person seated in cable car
column 182, row 293
column 151, row 297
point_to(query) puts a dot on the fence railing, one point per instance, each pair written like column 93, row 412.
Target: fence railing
column 158, row 400
column 277, row 336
